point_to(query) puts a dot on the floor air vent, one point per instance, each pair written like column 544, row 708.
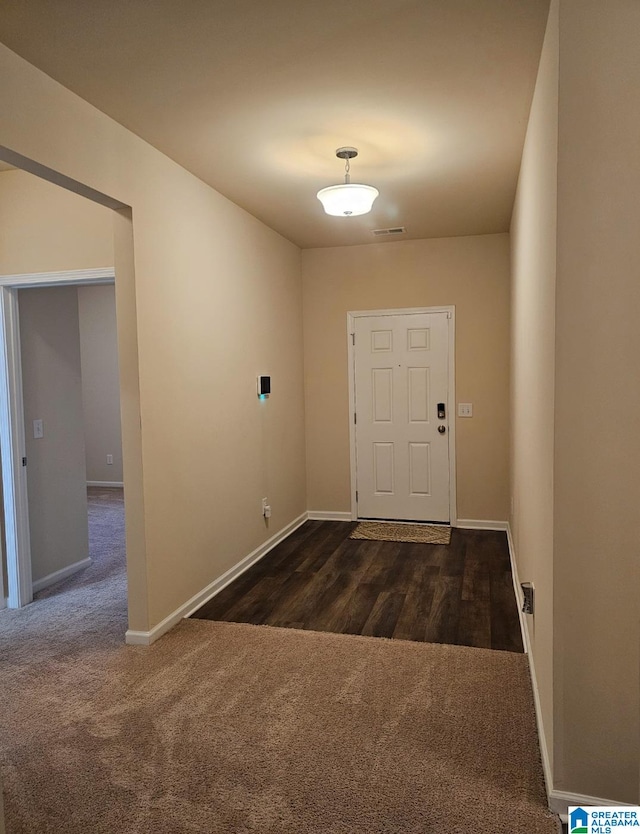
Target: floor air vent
column 397, row 230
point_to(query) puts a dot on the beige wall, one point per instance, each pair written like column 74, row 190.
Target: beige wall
column 100, row 382
column 597, row 437
column 210, row 299
column 131, row 421
column 576, row 397
column 56, row 480
column 44, row 228
column 533, row 280
column 473, row 274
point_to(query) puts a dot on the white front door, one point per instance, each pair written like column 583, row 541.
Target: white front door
column 402, row 416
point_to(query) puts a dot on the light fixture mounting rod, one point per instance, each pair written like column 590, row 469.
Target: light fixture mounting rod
column 347, row 154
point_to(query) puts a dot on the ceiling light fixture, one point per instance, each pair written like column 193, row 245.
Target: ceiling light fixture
column 349, row 198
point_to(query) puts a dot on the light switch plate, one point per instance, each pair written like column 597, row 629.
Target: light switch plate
column 465, row 409
column 38, row 429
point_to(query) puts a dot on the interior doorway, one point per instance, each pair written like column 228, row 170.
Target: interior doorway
column 27, row 260
column 14, row 437
column 71, row 400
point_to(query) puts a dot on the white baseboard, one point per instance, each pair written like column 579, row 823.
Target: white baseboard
column 559, row 802
column 139, row 638
column 329, row 515
column 105, row 483
column 465, row 523
column 146, row 638
column 480, row 524
column 59, row 575
column 517, row 589
column 542, row 738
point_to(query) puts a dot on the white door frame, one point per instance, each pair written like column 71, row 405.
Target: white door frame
column 351, row 317
column 12, row 436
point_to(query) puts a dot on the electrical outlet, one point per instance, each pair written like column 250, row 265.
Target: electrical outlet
column 110, row 460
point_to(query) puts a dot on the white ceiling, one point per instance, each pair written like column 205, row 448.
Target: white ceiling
column 254, row 97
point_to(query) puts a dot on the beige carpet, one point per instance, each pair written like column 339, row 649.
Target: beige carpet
column 226, row 728
column 388, row 531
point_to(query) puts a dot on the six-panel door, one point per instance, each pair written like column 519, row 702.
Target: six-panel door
column 402, row 447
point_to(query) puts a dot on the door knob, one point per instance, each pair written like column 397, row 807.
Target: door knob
column 442, row 429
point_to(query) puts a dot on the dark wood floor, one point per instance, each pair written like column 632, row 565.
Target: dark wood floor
column 320, row 579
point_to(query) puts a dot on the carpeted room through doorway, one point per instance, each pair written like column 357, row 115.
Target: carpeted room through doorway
column 229, row 728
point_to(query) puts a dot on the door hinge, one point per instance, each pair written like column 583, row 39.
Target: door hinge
column 24, row 461
column 356, row 496
column 355, row 417
column 353, row 338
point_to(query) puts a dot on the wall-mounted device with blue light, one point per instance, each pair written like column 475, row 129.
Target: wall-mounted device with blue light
column 264, row 387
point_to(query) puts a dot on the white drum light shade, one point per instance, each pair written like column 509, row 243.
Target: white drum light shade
column 348, row 199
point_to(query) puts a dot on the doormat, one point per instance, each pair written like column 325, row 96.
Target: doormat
column 388, row 531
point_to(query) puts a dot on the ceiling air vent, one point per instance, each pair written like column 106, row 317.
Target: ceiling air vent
column 397, row 230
